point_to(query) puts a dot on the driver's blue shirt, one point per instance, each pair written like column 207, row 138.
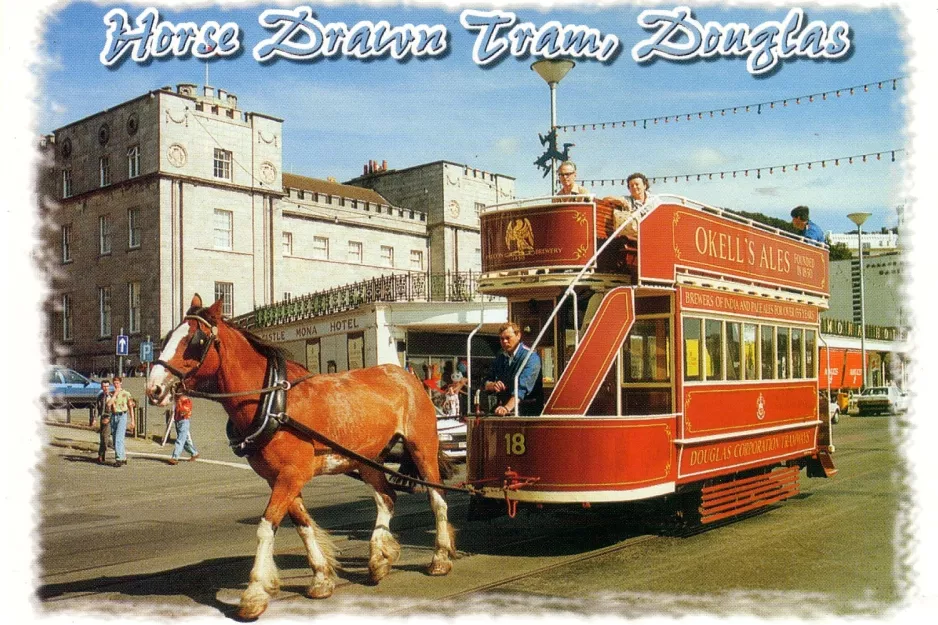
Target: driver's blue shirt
column 506, row 367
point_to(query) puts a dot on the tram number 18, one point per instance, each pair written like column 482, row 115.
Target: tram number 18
column 514, row 444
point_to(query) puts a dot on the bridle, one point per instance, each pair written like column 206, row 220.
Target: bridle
column 201, row 341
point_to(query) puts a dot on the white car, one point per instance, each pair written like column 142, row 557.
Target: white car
column 882, row 399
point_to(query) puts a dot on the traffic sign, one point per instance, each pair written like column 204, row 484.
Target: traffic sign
column 146, row 351
column 123, row 345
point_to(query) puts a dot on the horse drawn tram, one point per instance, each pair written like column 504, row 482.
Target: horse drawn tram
column 681, row 363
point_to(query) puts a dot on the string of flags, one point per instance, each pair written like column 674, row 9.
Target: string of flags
column 757, row 172
column 758, row 107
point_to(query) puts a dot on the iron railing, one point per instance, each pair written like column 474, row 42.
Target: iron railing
column 451, row 286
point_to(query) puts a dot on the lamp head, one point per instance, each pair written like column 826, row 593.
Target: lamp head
column 552, row 70
column 858, row 218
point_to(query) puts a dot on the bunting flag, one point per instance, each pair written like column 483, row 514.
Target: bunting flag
column 756, row 171
column 744, row 108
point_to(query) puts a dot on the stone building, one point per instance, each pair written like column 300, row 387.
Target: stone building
column 180, row 191
column 452, row 196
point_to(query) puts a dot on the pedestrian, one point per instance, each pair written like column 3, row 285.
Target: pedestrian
column 120, row 403
column 805, row 227
column 181, row 413
column 104, row 420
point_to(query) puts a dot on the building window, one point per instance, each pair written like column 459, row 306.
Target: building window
column 104, row 311
column 479, row 207
column 104, row 234
column 224, row 221
column 133, row 162
column 133, row 306
column 387, row 256
column 321, row 248
column 354, row 252
column 104, row 169
column 133, row 227
column 66, row 183
column 416, row 260
column 222, row 164
column 300, row 194
column 225, row 291
column 288, row 244
column 66, row 317
column 67, row 243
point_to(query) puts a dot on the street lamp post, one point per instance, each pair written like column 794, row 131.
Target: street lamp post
column 858, row 219
column 552, row 71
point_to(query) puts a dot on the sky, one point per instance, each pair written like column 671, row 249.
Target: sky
column 341, row 112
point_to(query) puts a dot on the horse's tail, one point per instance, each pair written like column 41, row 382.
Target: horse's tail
column 409, row 468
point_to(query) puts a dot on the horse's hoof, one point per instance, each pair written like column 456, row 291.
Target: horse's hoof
column 379, row 569
column 439, row 567
column 321, row 590
column 253, row 603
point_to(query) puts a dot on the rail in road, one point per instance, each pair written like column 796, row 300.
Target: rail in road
column 188, row 542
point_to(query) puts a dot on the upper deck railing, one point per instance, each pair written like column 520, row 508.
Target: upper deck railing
column 450, row 286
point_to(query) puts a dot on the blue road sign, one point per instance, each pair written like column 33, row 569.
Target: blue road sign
column 146, row 351
column 123, row 345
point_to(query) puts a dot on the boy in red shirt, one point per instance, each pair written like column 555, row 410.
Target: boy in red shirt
column 181, row 413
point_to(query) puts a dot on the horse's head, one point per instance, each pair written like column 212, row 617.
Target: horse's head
column 185, row 351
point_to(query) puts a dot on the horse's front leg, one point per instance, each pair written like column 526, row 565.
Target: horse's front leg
column 265, row 581
column 319, row 550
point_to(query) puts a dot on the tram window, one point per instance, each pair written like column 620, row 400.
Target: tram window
column 647, row 352
column 767, row 352
column 782, row 355
column 810, row 354
column 692, row 352
column 749, row 352
column 797, row 353
column 714, row 343
column 733, row 343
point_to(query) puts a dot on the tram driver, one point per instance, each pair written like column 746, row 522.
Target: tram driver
column 501, row 377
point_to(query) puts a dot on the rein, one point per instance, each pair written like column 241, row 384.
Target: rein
column 269, row 419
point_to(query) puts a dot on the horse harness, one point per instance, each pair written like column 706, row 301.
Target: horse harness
column 271, row 413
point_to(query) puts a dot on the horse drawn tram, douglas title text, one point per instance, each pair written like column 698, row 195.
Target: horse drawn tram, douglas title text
column 299, row 36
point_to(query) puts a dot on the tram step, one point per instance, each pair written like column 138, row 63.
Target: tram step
column 720, row 501
column 827, row 463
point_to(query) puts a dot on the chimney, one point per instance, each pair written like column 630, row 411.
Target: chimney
column 208, row 92
column 384, row 165
column 232, row 100
column 365, row 169
column 222, row 95
column 186, row 88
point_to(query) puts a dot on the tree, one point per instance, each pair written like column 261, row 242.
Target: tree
column 772, row 222
column 839, row 251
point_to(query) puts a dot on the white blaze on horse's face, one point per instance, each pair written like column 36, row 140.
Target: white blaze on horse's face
column 161, row 381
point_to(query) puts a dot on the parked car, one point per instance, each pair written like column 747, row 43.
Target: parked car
column 68, row 387
column 833, row 407
column 882, row 399
column 452, row 434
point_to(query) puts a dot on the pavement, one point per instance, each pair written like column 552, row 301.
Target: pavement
column 71, row 431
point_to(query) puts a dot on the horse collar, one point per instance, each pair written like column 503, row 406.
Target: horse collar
column 270, row 410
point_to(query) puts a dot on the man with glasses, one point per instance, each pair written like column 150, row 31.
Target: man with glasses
column 566, row 176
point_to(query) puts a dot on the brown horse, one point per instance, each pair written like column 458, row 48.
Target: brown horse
column 362, row 410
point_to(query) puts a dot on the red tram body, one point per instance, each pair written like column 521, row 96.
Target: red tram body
column 685, row 362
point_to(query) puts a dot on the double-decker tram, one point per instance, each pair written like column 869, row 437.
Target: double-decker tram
column 680, row 363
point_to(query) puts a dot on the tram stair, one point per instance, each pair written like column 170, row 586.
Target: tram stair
column 580, row 381
column 726, row 499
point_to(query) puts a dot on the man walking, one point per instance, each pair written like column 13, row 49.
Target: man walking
column 182, row 412
column 120, row 403
column 104, row 420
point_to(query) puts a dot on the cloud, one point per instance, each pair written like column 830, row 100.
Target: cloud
column 707, row 158
column 508, row 145
column 768, row 191
column 57, row 107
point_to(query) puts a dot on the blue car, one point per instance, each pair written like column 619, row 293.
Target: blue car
column 67, row 387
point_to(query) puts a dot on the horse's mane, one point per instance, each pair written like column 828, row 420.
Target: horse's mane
column 263, row 346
